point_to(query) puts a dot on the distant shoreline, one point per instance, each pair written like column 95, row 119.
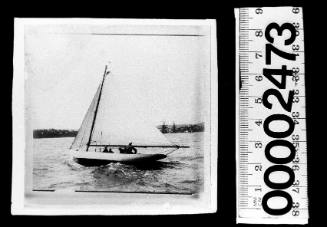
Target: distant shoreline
column 174, row 128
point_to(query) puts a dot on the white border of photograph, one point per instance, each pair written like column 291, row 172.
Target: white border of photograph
column 61, row 203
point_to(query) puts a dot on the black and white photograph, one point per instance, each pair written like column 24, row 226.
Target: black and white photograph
column 115, row 116
column 172, row 114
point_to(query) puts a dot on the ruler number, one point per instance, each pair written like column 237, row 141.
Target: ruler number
column 258, row 145
column 258, row 122
column 258, row 11
column 296, row 206
column 295, row 212
column 295, row 185
column 258, row 168
column 257, row 55
column 258, row 78
column 258, row 100
column 297, row 26
column 295, row 47
column 258, row 33
column 296, row 10
column 295, row 115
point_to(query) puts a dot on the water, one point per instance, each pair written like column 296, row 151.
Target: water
column 180, row 172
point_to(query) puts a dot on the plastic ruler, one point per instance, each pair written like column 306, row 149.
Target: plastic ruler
column 271, row 118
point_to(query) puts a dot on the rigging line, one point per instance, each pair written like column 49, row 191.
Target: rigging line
column 96, row 109
column 169, row 152
column 146, row 34
column 130, row 34
column 176, row 148
column 143, row 146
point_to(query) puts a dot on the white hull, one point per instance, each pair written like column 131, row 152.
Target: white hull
column 98, row 158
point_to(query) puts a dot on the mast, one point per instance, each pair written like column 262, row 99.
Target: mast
column 96, row 109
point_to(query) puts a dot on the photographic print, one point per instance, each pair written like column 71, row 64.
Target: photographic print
column 114, row 116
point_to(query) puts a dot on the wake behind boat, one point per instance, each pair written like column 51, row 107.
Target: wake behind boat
column 115, row 124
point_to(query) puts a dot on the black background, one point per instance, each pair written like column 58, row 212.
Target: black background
column 314, row 27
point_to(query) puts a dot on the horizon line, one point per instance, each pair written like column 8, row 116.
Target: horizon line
column 156, row 125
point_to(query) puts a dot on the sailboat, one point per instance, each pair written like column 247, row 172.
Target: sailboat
column 111, row 122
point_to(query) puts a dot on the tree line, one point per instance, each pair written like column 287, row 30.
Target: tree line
column 181, row 128
column 51, row 133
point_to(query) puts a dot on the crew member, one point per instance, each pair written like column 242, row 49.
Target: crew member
column 106, row 150
column 130, row 149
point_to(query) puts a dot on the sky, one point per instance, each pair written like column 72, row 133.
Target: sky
column 64, row 65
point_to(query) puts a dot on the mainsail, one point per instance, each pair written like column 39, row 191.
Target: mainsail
column 114, row 119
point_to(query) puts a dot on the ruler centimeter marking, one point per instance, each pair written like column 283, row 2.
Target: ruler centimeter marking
column 273, row 189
